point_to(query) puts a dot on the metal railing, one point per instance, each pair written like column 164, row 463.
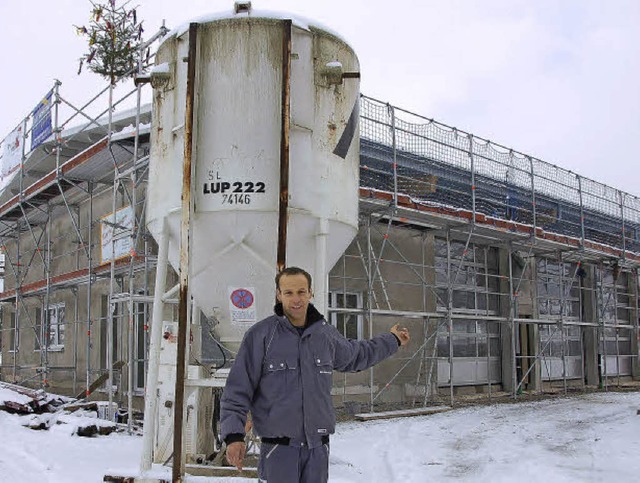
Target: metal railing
column 404, row 153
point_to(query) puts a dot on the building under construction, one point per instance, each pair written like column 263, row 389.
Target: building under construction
column 513, row 275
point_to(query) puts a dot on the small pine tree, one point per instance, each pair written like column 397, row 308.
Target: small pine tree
column 114, row 35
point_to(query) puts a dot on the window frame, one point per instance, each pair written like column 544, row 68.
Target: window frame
column 57, row 344
column 14, row 333
column 335, row 316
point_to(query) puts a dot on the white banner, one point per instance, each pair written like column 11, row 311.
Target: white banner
column 116, row 235
column 10, row 156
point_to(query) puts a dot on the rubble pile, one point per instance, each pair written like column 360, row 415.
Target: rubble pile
column 42, row 411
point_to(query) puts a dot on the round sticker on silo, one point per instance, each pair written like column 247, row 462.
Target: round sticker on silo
column 242, row 305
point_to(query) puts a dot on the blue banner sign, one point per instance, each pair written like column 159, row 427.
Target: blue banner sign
column 41, row 127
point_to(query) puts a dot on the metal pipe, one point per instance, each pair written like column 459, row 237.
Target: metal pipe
column 369, row 300
column 562, row 329
column 110, row 319
column 133, row 319
column 151, row 389
column 581, row 210
column 512, row 325
column 16, row 326
column 624, row 237
column 423, row 358
column 449, row 318
column 473, row 180
column 89, row 286
column 75, row 339
column 395, row 155
column 320, row 295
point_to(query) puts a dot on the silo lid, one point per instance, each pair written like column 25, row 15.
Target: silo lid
column 297, row 20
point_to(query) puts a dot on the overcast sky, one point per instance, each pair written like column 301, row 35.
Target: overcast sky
column 555, row 79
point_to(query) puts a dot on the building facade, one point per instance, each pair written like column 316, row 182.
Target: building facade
column 513, row 276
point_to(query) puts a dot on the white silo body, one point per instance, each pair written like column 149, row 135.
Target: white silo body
column 238, row 150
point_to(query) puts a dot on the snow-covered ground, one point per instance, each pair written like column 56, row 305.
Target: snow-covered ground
column 590, row 438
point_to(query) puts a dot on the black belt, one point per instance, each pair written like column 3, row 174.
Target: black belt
column 283, row 440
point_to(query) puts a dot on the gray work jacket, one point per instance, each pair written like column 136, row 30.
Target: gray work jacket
column 285, row 378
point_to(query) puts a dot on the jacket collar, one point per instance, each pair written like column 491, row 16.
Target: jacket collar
column 313, row 315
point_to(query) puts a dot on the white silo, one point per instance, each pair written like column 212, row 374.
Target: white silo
column 275, row 154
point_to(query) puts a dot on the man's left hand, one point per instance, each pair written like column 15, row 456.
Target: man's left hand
column 402, row 333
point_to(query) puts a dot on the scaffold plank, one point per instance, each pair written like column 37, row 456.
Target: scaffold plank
column 402, row 413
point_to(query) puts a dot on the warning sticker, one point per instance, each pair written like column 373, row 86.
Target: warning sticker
column 242, row 306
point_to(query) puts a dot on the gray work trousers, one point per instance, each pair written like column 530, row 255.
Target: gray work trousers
column 293, row 464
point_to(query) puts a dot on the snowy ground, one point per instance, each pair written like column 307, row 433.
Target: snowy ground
column 591, row 438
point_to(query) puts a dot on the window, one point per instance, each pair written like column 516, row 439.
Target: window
column 105, row 320
column 349, row 325
column 558, row 289
column 615, row 309
column 472, row 338
column 140, row 318
column 472, row 354
column 14, row 334
column 554, row 344
column 56, row 326
column 473, row 275
column 559, row 297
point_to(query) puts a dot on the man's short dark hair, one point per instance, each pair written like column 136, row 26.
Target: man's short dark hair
column 293, row 271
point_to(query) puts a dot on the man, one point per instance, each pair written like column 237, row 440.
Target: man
column 282, row 375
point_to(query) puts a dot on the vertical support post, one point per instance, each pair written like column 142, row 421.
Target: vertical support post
column 395, row 155
column 581, row 210
column 185, row 230
column 285, row 126
column 562, row 326
column 615, row 323
column 534, row 209
column 76, row 330
column 89, row 284
column 111, row 318
column 624, row 236
column 425, row 363
column 512, row 324
column 487, row 305
column 131, row 364
column 18, row 301
column 450, row 314
column 473, row 180
column 635, row 316
column 23, row 156
column 16, row 328
column 56, row 122
column 369, row 304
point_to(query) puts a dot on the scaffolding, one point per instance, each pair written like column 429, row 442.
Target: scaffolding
column 573, row 243
column 483, row 221
column 76, row 250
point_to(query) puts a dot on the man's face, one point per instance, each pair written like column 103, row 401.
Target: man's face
column 295, row 294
